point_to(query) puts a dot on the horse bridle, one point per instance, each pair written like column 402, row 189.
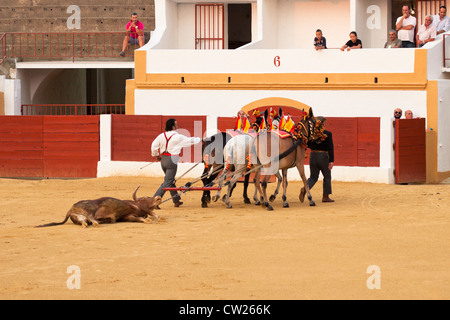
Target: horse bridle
column 311, row 128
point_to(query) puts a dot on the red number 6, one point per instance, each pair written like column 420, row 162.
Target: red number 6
column 276, row 61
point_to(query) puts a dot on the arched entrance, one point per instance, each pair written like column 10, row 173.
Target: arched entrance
column 292, row 107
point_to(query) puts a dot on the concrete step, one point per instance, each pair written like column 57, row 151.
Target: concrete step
column 29, row 3
column 86, row 11
column 92, row 24
column 62, row 45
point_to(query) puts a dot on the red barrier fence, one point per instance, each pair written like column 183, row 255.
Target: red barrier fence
column 356, row 140
column 68, row 146
column 63, row 45
column 132, row 136
column 71, row 109
column 49, row 146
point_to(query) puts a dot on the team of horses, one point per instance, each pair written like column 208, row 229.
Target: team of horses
column 233, row 155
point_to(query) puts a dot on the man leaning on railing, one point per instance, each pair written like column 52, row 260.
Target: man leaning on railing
column 135, row 33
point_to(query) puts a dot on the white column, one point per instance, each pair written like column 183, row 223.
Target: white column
column 105, row 137
column 387, row 154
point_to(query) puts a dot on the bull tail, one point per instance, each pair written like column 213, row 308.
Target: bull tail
column 55, row 223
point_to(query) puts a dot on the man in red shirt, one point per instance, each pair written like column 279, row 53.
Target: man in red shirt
column 135, row 33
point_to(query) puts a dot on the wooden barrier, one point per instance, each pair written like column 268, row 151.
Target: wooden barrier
column 49, row 146
column 356, row 140
column 132, row 136
column 410, row 150
column 21, row 146
column 71, row 146
column 68, row 146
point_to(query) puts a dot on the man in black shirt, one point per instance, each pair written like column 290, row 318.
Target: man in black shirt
column 321, row 160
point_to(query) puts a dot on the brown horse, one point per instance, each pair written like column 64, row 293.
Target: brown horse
column 275, row 153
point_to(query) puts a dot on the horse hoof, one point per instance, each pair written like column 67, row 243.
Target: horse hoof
column 272, row 198
column 215, row 198
column 229, row 206
column 312, row 204
column 247, row 200
column 286, row 205
column 257, row 203
column 204, row 205
column 269, row 208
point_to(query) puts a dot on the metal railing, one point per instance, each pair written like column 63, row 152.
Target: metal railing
column 63, row 45
column 71, row 109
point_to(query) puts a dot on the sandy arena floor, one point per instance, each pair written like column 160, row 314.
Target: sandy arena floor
column 302, row 252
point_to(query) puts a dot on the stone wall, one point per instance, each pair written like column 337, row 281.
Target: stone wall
column 52, row 16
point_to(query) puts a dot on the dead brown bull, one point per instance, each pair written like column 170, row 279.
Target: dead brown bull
column 111, row 210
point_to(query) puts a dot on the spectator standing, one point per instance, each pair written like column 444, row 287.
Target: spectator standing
column 440, row 21
column 393, row 41
column 319, row 41
column 405, row 27
column 426, row 32
column 353, row 43
column 135, row 33
column 408, row 114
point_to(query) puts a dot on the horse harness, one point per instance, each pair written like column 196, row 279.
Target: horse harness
column 299, row 138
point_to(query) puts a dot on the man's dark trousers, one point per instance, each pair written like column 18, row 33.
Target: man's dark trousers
column 319, row 162
column 169, row 164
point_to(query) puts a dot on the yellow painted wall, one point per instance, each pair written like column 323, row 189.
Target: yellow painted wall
column 2, row 103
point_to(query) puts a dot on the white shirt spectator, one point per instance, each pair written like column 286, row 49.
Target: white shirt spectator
column 407, row 35
column 425, row 33
column 443, row 24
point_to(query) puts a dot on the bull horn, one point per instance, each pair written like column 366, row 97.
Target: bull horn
column 134, row 193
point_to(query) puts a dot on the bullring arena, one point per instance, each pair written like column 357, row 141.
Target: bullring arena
column 78, row 114
column 246, row 252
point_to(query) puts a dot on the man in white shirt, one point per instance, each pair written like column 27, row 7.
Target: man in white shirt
column 405, row 27
column 167, row 148
column 440, row 21
column 426, row 32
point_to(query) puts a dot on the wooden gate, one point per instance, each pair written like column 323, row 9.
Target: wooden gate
column 410, row 150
